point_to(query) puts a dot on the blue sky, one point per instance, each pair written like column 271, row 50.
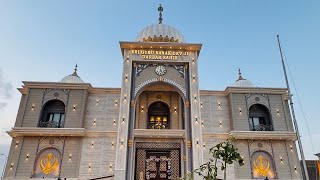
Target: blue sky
column 42, row 41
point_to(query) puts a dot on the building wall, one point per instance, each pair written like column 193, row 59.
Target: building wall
column 277, row 149
column 102, row 115
column 29, row 117
column 277, row 106
column 212, row 114
column 100, row 157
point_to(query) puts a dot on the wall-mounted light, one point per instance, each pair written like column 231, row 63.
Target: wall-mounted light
column 112, row 144
column 70, row 157
column 220, row 122
column 74, row 107
column 160, row 47
column 219, row 104
column 291, row 148
column 123, row 118
column 97, row 101
column 32, row 108
column 121, row 142
column 11, row 166
column 110, row 166
column 278, row 112
column 17, row 143
column 204, row 146
column 295, row 169
column 27, row 157
column 193, row 60
column 89, row 167
column 116, row 103
column 202, row 123
column 193, row 78
column 197, row 142
column 281, row 160
column 126, row 78
column 128, row 58
column 196, row 118
column 201, row 106
column 195, row 97
column 141, row 46
column 94, row 121
column 114, row 122
column 125, row 98
column 240, row 110
column 142, row 109
column 175, row 109
column 92, row 144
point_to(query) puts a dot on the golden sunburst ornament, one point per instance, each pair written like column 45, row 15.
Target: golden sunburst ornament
column 261, row 166
column 48, row 163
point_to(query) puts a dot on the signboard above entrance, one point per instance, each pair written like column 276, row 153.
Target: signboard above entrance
column 160, row 54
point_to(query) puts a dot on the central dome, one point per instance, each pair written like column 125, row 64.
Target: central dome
column 160, row 33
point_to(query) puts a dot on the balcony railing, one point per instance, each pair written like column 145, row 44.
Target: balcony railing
column 158, row 126
column 262, row 127
column 51, row 124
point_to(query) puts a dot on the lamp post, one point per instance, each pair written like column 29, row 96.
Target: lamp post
column 5, row 164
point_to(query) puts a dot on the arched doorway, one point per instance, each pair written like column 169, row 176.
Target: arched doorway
column 158, row 116
column 53, row 114
column 259, row 118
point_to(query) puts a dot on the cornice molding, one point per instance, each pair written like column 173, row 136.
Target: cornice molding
column 264, row 135
column 34, row 131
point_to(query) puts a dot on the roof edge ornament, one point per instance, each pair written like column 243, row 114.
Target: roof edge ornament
column 240, row 76
column 242, row 82
column 75, row 71
column 72, row 78
column 160, row 9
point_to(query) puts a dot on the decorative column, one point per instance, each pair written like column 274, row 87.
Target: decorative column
column 124, row 111
column 196, row 141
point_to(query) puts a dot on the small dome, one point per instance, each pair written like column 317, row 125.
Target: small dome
column 72, row 78
column 242, row 82
column 160, row 33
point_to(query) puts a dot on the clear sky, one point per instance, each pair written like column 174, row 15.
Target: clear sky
column 43, row 40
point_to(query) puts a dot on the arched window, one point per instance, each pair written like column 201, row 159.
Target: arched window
column 159, row 116
column 47, row 164
column 53, row 114
column 259, row 118
column 262, row 165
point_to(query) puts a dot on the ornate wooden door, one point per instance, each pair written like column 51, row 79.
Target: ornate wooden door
column 158, row 166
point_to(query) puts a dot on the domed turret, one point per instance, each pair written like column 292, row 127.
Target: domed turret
column 160, row 32
column 72, row 78
column 242, row 82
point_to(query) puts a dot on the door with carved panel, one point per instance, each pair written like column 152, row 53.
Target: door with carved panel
column 158, row 166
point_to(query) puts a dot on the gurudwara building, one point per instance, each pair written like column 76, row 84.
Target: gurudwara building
column 157, row 126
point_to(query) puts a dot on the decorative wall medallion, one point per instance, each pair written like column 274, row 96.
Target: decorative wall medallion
column 160, row 70
column 257, row 99
column 51, row 142
column 56, row 94
column 49, row 163
column 159, row 97
column 260, row 145
column 261, row 166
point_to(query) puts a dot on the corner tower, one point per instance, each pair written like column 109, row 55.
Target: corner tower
column 159, row 134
